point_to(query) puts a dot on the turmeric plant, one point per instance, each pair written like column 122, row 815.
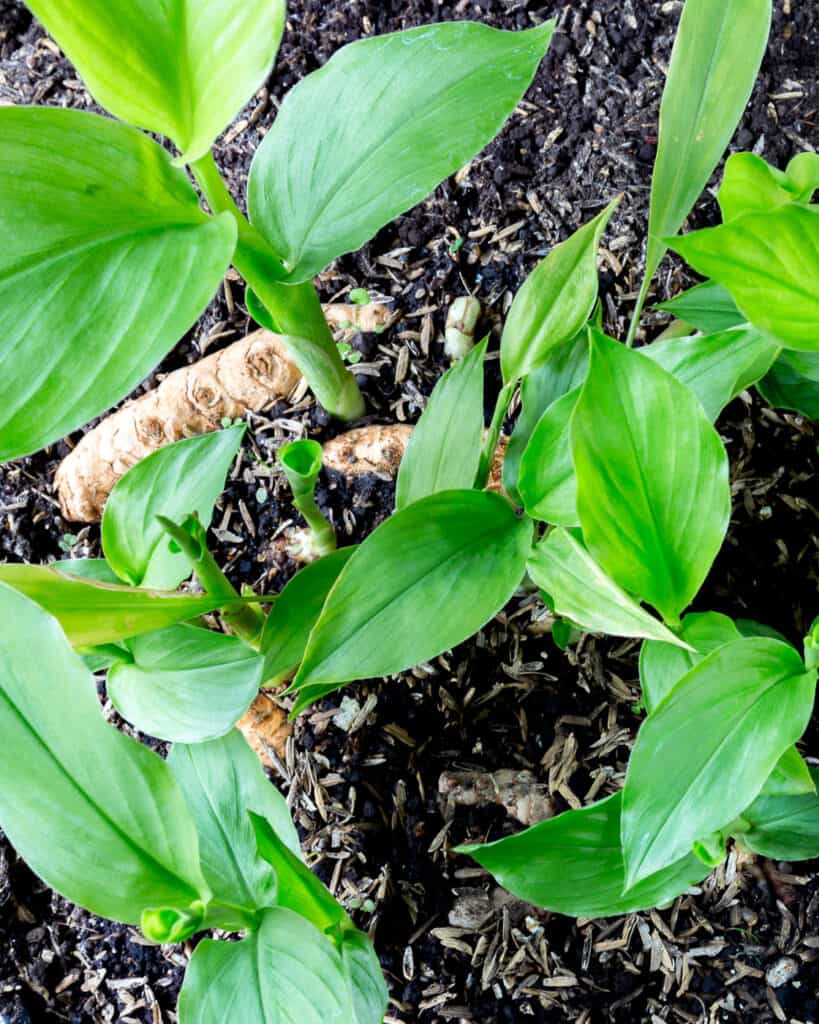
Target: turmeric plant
column 106, row 257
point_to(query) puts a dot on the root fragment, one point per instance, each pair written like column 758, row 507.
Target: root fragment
column 519, row 793
column 248, row 376
column 372, row 316
column 265, row 727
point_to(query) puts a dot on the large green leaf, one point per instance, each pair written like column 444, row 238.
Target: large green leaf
column 563, row 369
column 185, row 684
column 652, row 477
column 582, row 592
column 94, row 613
column 554, row 301
column 749, row 183
column 105, row 261
column 704, row 754
column 769, row 262
column 95, row 814
column 444, row 449
column 286, row 972
column 707, row 307
column 782, row 827
column 364, row 977
column 178, row 480
column 573, row 864
column 377, row 128
column 424, row 581
column 221, row 781
column 793, row 383
column 181, row 68
column 547, row 481
column 716, row 367
column 714, row 64
column 294, row 614
column 662, row 665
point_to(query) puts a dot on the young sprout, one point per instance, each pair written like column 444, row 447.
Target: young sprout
column 301, row 462
column 461, row 321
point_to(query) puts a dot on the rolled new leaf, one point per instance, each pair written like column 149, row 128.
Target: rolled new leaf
column 301, row 462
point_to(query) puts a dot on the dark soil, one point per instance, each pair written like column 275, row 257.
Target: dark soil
column 454, row 947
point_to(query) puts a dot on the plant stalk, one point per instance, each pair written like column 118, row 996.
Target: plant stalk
column 295, row 308
column 324, row 536
column 490, row 442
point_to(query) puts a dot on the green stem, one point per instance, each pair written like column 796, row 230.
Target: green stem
column 638, row 309
column 490, row 442
column 295, row 308
column 245, row 620
column 324, row 535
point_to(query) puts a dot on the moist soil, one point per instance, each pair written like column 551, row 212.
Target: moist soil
column 454, row 946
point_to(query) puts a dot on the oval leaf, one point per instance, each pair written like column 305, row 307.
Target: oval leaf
column 573, row 864
column 94, row 613
column 181, row 68
column 782, row 827
column 221, row 781
column 749, row 183
column 707, row 307
column 286, row 972
column 377, row 128
column 444, row 448
column 100, row 234
column 554, row 301
column 717, row 737
column 652, row 477
column 185, row 684
column 716, row 57
column 178, row 480
column 547, row 482
column 583, row 593
column 662, row 665
column 793, row 383
column 769, row 262
column 424, row 581
column 94, row 813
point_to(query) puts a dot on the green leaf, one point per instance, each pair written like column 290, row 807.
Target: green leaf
column 748, row 627
column 179, row 68
column 704, row 754
column 301, row 462
column 425, row 580
column 663, row 666
column 790, row 777
column 96, row 815
column 185, row 684
column 94, row 613
column 285, row 972
column 366, row 982
column 707, row 307
column 749, row 183
column 555, row 300
column 793, row 383
column 444, row 449
column 582, row 592
column 87, row 568
column 299, row 889
column 547, row 481
column 782, row 827
column 100, row 234
column 564, row 367
column 716, row 57
column 222, row 780
column 652, row 477
column 294, row 614
column 716, row 367
column 180, row 479
column 377, row 128
column 573, row 864
column 769, row 262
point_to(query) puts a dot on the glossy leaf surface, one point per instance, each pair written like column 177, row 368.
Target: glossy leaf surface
column 707, row 307
column 372, row 133
column 716, row 57
column 704, row 754
column 554, row 301
column 94, row 813
column 793, row 383
column 178, row 480
column 547, row 481
column 783, row 827
column 790, row 777
column 222, row 780
column 582, row 592
column 93, row 613
column 100, row 234
column 444, row 448
column 652, row 477
column 769, row 262
column 181, row 68
column 749, row 183
column 426, row 579
column 573, row 864
column 185, row 684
